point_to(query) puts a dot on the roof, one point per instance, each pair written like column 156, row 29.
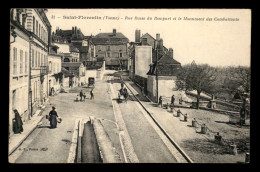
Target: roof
column 77, row 44
column 69, row 64
column 66, row 72
column 167, row 66
column 73, row 48
column 110, row 35
column 148, row 35
column 112, row 62
column 166, row 59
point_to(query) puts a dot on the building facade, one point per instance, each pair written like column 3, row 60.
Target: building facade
column 40, row 29
column 30, row 30
column 19, row 66
column 55, row 75
column 113, row 47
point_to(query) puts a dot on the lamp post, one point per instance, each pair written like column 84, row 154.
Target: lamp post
column 156, row 72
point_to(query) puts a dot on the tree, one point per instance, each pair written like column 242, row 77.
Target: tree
column 197, row 77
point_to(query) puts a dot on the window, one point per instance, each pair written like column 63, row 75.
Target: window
column 53, row 69
column 32, row 58
column 39, row 30
column 120, row 54
column 39, row 59
column 25, row 62
column 108, row 54
column 21, row 61
column 36, row 27
column 36, row 59
column 50, row 67
column 15, row 61
column 33, row 24
column 42, row 60
column 108, row 48
column 18, row 16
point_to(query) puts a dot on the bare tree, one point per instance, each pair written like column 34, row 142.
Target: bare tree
column 197, row 77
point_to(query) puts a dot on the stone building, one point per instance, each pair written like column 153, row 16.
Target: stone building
column 144, row 54
column 167, row 70
column 78, row 43
column 55, row 75
column 19, row 66
column 113, row 47
column 28, row 61
column 40, row 28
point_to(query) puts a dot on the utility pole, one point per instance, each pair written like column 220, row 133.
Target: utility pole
column 29, row 78
column 156, row 71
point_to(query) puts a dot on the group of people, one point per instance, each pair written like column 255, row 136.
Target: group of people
column 83, row 95
column 172, row 101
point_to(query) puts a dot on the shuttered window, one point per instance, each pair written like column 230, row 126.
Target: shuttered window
column 21, row 62
column 14, row 61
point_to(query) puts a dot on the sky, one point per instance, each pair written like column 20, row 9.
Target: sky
column 206, row 39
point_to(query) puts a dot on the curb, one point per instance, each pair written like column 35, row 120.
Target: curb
column 73, row 147
column 187, row 158
column 105, row 145
column 25, row 137
column 32, row 129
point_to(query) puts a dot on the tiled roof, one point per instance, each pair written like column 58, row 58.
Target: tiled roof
column 167, row 66
column 166, row 59
column 148, row 35
column 110, row 35
column 73, row 48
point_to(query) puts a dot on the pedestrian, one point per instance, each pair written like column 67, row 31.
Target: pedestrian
column 172, row 101
column 91, row 94
column 81, row 95
column 160, row 101
column 18, row 123
column 53, row 118
column 84, row 95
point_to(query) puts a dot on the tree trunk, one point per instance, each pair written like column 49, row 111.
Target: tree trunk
column 198, row 99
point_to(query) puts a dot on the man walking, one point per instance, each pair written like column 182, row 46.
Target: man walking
column 91, row 94
column 81, row 95
column 172, row 101
column 160, row 101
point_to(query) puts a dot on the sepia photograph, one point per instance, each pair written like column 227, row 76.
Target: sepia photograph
column 93, row 85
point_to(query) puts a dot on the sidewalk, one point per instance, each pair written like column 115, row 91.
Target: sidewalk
column 16, row 140
column 186, row 136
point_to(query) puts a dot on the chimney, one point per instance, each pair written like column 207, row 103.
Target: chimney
column 157, row 37
column 76, row 30
column 72, row 29
column 170, row 52
column 144, row 41
column 137, row 35
column 160, row 44
column 114, row 32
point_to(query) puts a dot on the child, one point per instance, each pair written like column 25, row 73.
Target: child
column 84, row 95
column 77, row 98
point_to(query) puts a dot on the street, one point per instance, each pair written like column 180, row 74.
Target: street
column 45, row 145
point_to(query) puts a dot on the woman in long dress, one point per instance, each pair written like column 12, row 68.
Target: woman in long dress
column 18, row 123
column 53, row 118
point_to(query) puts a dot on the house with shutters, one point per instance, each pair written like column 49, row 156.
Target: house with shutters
column 149, row 58
column 113, row 47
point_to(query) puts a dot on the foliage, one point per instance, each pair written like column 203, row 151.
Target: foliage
column 197, row 77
